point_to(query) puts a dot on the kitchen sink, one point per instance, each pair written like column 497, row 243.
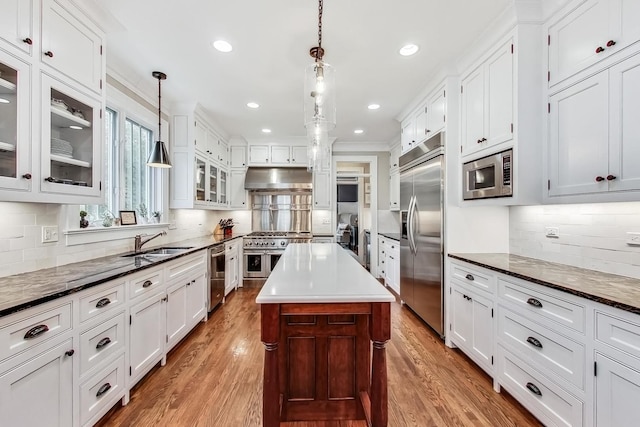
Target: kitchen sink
column 161, row 252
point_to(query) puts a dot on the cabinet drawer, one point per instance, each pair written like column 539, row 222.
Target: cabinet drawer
column 145, row 284
column 473, row 278
column 34, row 329
column 106, row 299
column 100, row 342
column 534, row 304
column 185, row 265
column 553, row 352
column 547, row 401
column 101, row 391
column 618, row 333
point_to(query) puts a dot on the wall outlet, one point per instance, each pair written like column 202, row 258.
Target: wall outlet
column 326, row 220
column 552, row 231
column 49, row 233
column 633, row 238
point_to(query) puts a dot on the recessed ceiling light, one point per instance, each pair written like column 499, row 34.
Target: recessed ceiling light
column 222, row 46
column 75, row 127
column 408, row 50
column 373, row 106
column 4, row 101
column 265, row 130
column 358, row 131
column 253, row 105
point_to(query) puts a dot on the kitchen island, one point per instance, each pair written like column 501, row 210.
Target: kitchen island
column 321, row 310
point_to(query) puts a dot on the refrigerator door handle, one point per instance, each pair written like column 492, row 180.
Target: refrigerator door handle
column 412, row 246
column 414, row 213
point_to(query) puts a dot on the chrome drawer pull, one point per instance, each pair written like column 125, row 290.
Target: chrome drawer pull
column 103, row 389
column 103, row 302
column 36, row 331
column 534, row 389
column 534, row 302
column 103, row 342
column 147, row 283
column 470, row 277
column 534, row 342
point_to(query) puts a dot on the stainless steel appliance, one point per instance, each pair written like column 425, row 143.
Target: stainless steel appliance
column 490, row 176
column 263, row 249
column 422, row 177
column 285, row 211
column 216, row 276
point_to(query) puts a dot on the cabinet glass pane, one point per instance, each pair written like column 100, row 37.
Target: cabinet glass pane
column 213, row 184
column 223, row 187
column 8, row 121
column 71, row 141
column 200, row 178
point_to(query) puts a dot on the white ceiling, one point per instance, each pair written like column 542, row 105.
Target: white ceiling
column 271, row 40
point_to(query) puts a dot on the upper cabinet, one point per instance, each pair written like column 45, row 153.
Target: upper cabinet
column 427, row 120
column 590, row 33
column 51, row 116
column 277, row 154
column 488, row 102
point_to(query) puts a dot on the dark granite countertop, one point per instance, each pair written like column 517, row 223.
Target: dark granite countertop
column 394, row 236
column 25, row 290
column 610, row 289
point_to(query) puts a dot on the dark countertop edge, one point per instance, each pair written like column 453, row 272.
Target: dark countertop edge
column 576, row 292
column 47, row 298
column 389, row 235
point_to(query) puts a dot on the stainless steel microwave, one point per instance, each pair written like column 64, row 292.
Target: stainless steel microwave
column 490, row 176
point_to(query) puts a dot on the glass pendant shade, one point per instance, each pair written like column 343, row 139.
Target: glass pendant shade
column 319, row 149
column 159, row 157
column 319, row 96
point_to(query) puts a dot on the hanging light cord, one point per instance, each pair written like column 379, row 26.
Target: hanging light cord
column 319, row 51
column 159, row 111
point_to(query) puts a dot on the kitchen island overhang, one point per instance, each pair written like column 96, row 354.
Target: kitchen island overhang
column 325, row 323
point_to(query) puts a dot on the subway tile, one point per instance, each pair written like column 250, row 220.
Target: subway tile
column 21, row 243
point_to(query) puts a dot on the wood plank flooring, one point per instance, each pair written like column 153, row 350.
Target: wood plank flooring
column 214, row 379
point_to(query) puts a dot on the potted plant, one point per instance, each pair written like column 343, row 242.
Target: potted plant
column 143, row 212
column 107, row 219
column 156, row 216
column 83, row 221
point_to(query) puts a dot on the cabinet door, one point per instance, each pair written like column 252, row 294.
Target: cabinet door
column 16, row 23
column 201, row 140
column 212, row 195
column 280, row 155
column 71, row 150
column 578, row 138
column 146, row 335
column 176, row 312
column 15, row 119
column 39, row 392
column 394, row 191
column 237, row 192
column 627, row 14
column 223, row 200
column 321, row 190
column 238, row 156
column 223, row 153
column 461, row 318
column 71, row 46
column 573, row 40
column 421, row 129
column 201, row 180
column 407, row 134
column 473, row 112
column 258, row 154
column 482, row 323
column 624, row 101
column 394, row 158
column 299, row 155
column 436, row 113
column 196, row 299
column 617, row 393
column 228, row 275
column 499, row 96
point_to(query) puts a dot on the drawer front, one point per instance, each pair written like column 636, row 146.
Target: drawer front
column 33, row 330
column 185, row 265
column 100, row 342
column 553, row 352
column 618, row 333
column 146, row 284
column 534, row 303
column 473, row 278
column 101, row 302
column 101, row 391
column 547, row 401
column 228, row 247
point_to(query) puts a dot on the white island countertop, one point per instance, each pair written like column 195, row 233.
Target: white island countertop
column 320, row 273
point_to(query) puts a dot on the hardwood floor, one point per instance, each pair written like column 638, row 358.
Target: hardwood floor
column 214, row 379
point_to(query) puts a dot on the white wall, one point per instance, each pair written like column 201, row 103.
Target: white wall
column 591, row 236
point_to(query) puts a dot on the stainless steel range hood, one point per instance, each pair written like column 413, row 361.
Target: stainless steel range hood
column 278, row 179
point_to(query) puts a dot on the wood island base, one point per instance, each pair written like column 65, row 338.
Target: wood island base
column 325, row 362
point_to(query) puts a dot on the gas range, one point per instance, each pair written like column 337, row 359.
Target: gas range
column 274, row 240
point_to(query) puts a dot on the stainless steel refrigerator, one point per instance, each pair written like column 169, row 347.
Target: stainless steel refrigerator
column 421, row 246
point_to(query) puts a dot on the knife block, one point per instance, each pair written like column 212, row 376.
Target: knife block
column 218, row 231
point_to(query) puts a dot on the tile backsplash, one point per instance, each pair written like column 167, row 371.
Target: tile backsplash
column 592, row 236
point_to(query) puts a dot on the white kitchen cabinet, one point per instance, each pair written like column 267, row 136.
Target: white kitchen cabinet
column 232, row 266
column 596, row 118
column 392, row 264
column 201, row 141
column 259, row 155
column 147, row 336
column 201, row 181
column 436, row 112
column 394, row 191
column 382, row 257
column 592, row 32
column 280, row 155
column 238, row 155
column 237, row 192
column 322, row 189
column 38, row 392
column 617, row 393
column 408, row 134
column 16, row 24
column 488, row 102
column 196, row 299
column 299, row 155
column 394, row 158
column 277, row 154
column 176, row 311
column 101, row 391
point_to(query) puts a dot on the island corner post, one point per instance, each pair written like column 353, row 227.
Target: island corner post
column 325, row 361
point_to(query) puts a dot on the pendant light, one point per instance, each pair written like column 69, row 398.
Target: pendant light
column 319, row 100
column 159, row 158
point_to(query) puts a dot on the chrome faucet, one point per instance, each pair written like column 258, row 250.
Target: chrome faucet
column 139, row 242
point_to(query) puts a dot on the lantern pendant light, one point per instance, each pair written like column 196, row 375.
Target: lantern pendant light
column 159, row 158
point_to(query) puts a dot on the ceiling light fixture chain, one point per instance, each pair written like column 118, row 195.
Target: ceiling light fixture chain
column 320, row 51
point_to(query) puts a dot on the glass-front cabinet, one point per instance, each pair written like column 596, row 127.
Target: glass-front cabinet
column 213, row 184
column 71, row 140
column 200, row 184
column 222, row 200
column 15, row 130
